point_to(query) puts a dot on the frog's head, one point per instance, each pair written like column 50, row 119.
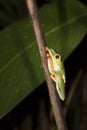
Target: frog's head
column 56, row 58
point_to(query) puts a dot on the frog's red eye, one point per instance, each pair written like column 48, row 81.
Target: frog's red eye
column 57, row 56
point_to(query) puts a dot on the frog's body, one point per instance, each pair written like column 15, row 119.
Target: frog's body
column 56, row 69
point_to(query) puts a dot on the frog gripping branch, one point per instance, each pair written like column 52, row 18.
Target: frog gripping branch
column 57, row 71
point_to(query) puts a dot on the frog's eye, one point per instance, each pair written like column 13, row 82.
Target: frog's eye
column 57, row 56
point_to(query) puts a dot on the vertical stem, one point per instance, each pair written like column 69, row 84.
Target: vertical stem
column 56, row 105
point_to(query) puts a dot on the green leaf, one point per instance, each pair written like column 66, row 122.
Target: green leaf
column 20, row 65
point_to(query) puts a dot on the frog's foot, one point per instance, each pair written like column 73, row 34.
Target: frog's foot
column 47, row 54
column 53, row 77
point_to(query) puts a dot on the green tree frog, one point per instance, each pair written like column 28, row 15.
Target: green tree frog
column 57, row 71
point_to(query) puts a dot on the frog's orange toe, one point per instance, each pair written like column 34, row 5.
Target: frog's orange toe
column 52, row 77
column 46, row 48
column 48, row 55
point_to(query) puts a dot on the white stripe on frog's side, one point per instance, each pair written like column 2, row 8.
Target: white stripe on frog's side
column 56, row 68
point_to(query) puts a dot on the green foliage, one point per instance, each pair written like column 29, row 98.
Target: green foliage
column 64, row 24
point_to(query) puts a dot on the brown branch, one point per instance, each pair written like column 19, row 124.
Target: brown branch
column 57, row 109
column 72, row 90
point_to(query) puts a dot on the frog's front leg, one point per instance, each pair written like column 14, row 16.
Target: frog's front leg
column 50, row 67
